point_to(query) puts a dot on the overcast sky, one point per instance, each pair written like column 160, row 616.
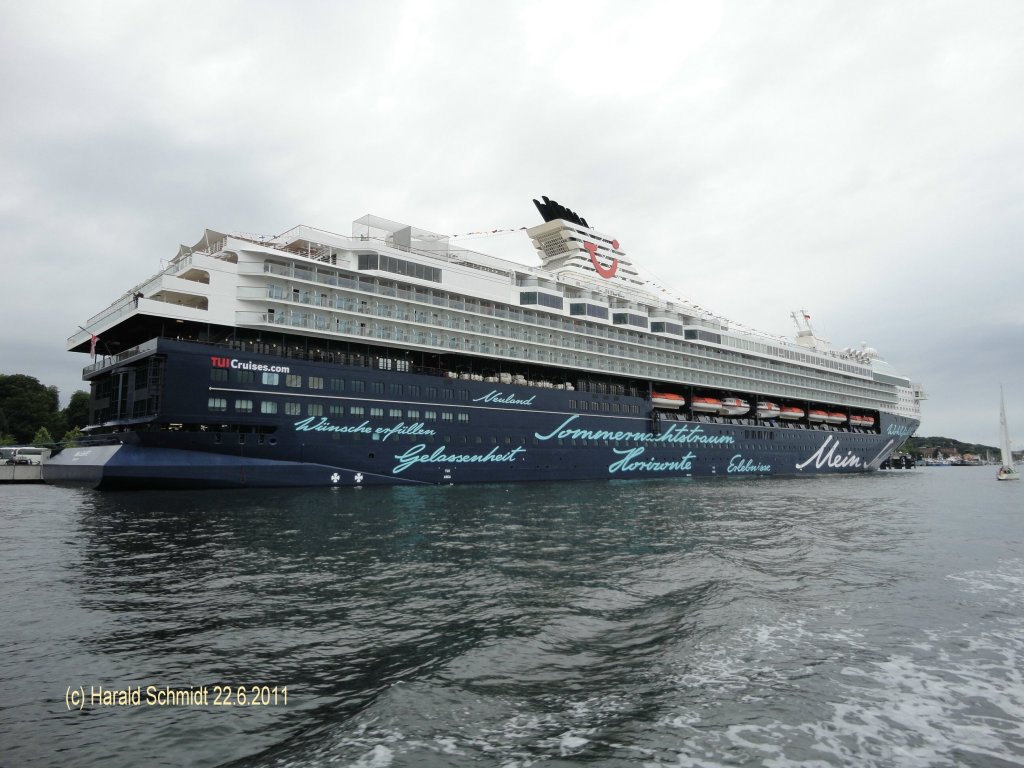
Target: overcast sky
column 862, row 161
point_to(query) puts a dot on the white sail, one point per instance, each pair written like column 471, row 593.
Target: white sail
column 1004, row 433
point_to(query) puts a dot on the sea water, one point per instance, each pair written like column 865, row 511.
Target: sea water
column 869, row 620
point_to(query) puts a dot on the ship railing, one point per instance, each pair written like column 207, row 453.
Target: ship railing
column 693, row 315
column 438, row 299
column 120, row 308
column 107, row 361
column 471, row 325
column 516, row 314
column 306, row 320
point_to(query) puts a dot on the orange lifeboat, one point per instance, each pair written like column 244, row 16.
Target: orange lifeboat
column 834, row 417
column 817, row 415
column 867, row 421
column 856, row 420
column 767, row 410
column 791, row 412
column 700, row 404
column 667, row 400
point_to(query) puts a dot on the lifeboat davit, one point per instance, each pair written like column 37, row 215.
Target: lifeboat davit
column 791, row 412
column 700, row 404
column 734, row 406
column 817, row 415
column 767, row 410
column 667, row 400
column 834, row 417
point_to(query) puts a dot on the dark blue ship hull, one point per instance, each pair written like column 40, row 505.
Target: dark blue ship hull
column 330, row 423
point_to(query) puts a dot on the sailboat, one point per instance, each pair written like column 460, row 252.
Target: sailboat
column 1006, row 472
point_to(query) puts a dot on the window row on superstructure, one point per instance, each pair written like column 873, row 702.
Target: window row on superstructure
column 353, row 308
column 553, row 299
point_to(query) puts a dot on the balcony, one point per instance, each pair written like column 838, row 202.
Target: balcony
column 143, row 349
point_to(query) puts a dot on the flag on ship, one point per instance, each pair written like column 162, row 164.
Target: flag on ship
column 486, row 232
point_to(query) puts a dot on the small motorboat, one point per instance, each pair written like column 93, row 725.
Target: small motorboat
column 733, row 406
column 791, row 412
column 767, row 410
column 667, row 400
column 701, row 404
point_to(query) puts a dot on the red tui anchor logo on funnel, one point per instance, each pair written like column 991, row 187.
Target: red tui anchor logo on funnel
column 605, row 272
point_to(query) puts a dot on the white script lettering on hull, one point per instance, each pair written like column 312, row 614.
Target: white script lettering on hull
column 828, row 456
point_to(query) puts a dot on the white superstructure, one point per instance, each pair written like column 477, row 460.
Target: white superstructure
column 584, row 307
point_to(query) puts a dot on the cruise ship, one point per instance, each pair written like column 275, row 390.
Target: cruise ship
column 394, row 356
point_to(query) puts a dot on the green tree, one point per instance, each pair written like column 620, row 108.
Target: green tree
column 27, row 405
column 71, row 436
column 42, row 437
column 76, row 414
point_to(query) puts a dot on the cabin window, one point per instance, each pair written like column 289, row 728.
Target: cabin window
column 268, row 407
column 543, row 299
column 243, row 406
column 590, row 310
column 629, row 318
column 399, row 267
column 217, row 404
column 292, row 409
column 271, row 378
